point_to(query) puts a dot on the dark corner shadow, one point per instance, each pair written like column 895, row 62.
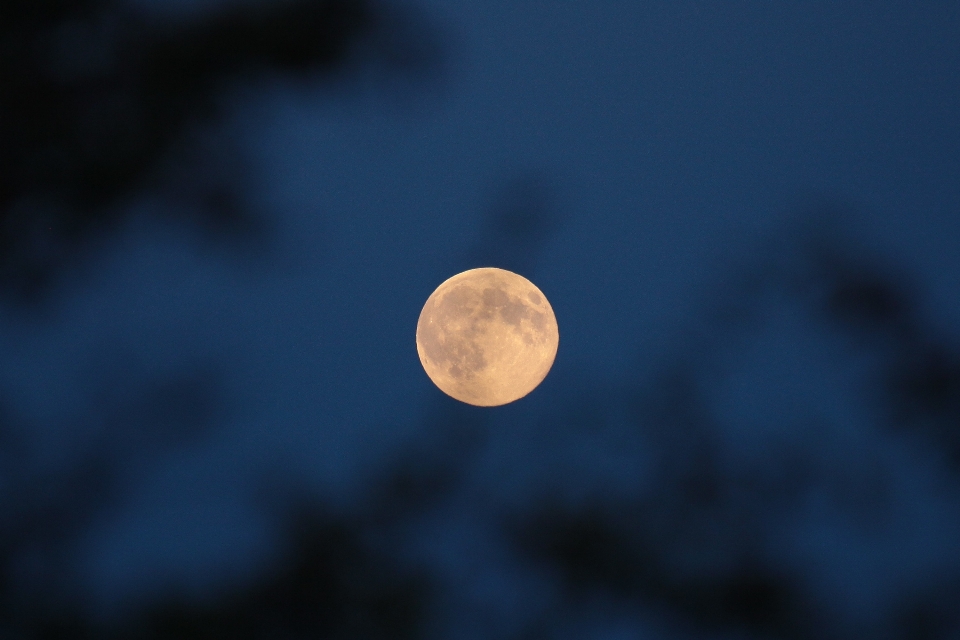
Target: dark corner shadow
column 96, row 98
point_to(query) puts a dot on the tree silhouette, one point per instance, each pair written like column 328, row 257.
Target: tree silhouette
column 698, row 545
column 98, row 101
column 96, row 97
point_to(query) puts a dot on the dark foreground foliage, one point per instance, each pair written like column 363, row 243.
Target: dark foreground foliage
column 98, row 104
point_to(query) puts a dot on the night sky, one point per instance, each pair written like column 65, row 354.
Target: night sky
column 746, row 216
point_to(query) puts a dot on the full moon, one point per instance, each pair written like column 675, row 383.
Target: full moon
column 487, row 337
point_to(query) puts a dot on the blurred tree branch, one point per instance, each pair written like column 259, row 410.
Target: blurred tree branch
column 697, row 544
column 95, row 95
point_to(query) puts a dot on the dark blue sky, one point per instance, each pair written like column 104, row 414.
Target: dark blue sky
column 673, row 145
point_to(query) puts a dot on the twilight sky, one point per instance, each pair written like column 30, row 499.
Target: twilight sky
column 669, row 144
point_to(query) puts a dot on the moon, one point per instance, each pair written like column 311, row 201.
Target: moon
column 487, row 337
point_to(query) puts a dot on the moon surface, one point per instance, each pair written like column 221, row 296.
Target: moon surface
column 487, row 337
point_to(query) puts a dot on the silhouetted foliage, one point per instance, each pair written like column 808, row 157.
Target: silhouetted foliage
column 329, row 586
column 47, row 502
column 930, row 614
column 102, row 105
column 96, row 97
column 695, row 544
column 920, row 384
